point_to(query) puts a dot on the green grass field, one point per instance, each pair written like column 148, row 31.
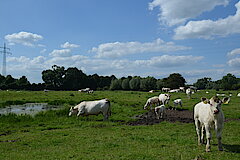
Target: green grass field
column 54, row 135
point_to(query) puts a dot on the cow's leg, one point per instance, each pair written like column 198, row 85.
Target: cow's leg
column 164, row 114
column 157, row 114
column 219, row 137
column 105, row 116
column 161, row 114
column 202, row 135
column 197, row 124
column 208, row 137
column 79, row 113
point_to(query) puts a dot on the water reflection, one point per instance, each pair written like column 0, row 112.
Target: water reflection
column 28, row 108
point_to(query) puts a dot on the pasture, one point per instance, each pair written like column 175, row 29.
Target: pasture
column 54, row 135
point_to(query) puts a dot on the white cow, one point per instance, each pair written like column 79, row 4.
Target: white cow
column 220, row 94
column 189, row 93
column 166, row 89
column 177, row 102
column 160, row 111
column 152, row 101
column 90, row 91
column 174, row 91
column 182, row 89
column 208, row 114
column 164, row 98
column 84, row 90
column 86, row 108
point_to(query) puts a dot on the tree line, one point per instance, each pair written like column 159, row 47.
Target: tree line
column 59, row 78
column 174, row 80
column 228, row 82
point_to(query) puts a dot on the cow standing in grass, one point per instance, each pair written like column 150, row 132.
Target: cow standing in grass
column 164, row 98
column 189, row 93
column 160, row 111
column 87, row 108
column 152, row 101
column 208, row 114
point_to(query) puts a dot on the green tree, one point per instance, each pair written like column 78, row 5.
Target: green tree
column 160, row 84
column 134, row 83
column 74, row 79
column 125, row 84
column 10, row 82
column 116, row 84
column 228, row 82
column 23, row 83
column 148, row 83
column 202, row 83
column 175, row 80
column 2, row 82
column 54, row 78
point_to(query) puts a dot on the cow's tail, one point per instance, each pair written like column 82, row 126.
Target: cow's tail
column 109, row 107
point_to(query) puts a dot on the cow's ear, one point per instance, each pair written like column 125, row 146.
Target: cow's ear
column 215, row 99
column 204, row 100
column 225, row 100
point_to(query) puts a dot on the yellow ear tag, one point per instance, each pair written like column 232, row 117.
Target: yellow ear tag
column 205, row 102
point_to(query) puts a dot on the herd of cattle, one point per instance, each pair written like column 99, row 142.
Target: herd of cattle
column 207, row 113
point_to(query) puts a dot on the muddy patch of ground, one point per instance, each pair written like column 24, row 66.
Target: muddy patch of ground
column 149, row 118
column 180, row 115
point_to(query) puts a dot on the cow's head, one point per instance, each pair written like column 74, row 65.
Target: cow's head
column 167, row 98
column 73, row 111
column 215, row 104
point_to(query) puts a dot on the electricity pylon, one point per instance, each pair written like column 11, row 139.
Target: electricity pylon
column 4, row 52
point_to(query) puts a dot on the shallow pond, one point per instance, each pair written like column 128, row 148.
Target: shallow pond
column 28, row 108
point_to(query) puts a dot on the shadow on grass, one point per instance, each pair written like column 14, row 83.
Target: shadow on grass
column 232, row 148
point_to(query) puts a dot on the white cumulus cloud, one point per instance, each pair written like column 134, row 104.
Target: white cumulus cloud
column 69, row 45
column 234, row 62
column 24, row 38
column 166, row 61
column 234, row 52
column 60, row 53
column 208, row 29
column 118, row 49
column 235, row 59
column 175, row 12
column 75, row 60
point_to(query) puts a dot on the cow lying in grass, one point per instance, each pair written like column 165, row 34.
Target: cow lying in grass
column 87, row 108
column 208, row 114
column 177, row 102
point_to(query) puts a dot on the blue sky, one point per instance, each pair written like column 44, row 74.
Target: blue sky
column 122, row 37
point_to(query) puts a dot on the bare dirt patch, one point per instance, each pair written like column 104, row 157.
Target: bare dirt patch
column 149, row 118
column 179, row 115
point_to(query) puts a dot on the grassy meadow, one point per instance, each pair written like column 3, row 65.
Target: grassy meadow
column 54, row 135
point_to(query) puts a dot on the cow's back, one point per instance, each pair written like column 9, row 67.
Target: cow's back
column 96, row 107
column 162, row 97
column 202, row 113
